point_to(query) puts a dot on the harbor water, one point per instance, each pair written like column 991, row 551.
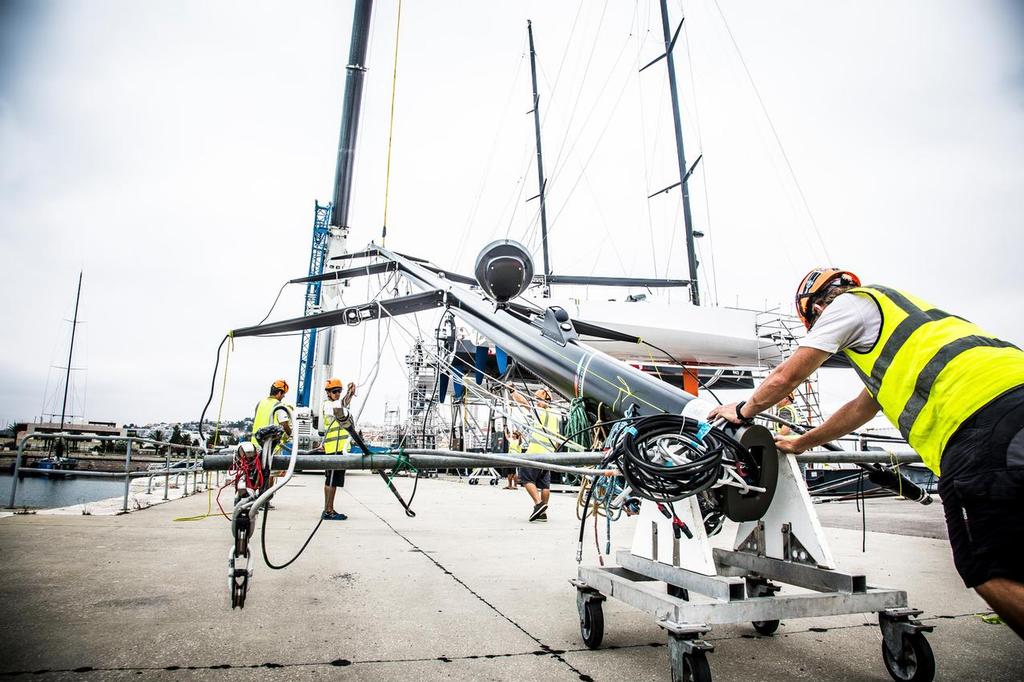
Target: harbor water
column 45, row 493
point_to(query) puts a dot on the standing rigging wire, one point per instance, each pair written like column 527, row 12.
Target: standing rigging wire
column 643, row 139
column 597, row 142
column 380, row 347
column 517, row 199
column 391, row 127
column 775, row 133
column 489, row 164
column 561, row 64
column 374, row 299
column 582, row 84
column 703, row 167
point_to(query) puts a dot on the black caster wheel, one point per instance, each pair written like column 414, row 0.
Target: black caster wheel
column 592, row 624
column 695, row 668
column 494, row 481
column 473, row 481
column 765, row 627
column 915, row 662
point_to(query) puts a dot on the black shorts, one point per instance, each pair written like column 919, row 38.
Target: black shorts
column 335, row 478
column 982, row 489
column 539, row 477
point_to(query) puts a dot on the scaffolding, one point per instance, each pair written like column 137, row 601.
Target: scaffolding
column 777, row 331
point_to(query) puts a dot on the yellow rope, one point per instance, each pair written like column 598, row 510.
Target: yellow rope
column 223, row 388
column 896, row 463
column 654, row 364
column 391, row 126
column 216, row 433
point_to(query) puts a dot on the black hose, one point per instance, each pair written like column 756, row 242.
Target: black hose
column 664, row 481
column 213, row 384
column 263, row 543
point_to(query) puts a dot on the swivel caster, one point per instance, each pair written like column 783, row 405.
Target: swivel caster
column 906, row 653
column 589, row 607
column 695, row 668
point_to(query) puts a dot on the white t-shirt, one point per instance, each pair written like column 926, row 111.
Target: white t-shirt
column 850, row 321
column 327, row 417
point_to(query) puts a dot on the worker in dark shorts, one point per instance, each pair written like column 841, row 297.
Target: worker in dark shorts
column 333, row 413
column 537, row 482
column 955, row 392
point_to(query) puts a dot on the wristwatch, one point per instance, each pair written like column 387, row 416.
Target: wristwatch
column 739, row 413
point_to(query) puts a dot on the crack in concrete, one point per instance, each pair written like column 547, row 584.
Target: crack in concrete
column 545, row 649
column 344, row 662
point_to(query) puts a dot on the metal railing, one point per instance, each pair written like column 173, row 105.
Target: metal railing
column 193, row 459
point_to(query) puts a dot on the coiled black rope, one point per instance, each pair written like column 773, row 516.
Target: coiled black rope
column 666, row 457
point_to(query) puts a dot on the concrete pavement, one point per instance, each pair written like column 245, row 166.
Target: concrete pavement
column 468, row 590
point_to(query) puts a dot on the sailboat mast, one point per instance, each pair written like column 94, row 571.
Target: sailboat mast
column 540, row 163
column 71, row 353
column 691, row 252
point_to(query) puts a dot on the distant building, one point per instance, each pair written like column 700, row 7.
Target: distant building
column 83, row 428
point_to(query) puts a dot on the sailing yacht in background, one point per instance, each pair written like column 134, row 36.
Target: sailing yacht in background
column 58, row 460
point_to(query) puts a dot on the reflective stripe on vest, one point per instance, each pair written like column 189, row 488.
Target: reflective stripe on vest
column 546, row 427
column 335, row 438
column 930, row 370
column 264, row 409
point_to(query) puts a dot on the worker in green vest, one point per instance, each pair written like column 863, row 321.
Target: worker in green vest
column 514, row 438
column 334, row 413
column 542, row 438
column 264, row 414
column 955, row 392
column 786, row 410
column 265, row 409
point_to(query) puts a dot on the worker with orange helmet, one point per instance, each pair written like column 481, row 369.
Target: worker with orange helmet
column 955, row 392
column 265, row 411
column 333, row 416
column 265, row 415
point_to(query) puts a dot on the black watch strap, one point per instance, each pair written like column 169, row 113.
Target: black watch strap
column 739, row 412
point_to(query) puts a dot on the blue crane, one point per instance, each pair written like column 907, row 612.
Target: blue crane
column 317, row 256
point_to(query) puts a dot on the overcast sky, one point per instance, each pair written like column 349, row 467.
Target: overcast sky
column 173, row 150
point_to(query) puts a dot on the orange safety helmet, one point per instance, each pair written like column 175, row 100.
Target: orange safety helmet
column 333, row 382
column 816, row 283
column 279, row 385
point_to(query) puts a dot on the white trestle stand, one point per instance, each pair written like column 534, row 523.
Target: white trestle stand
column 786, row 545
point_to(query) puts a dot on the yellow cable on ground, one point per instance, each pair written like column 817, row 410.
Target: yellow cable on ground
column 391, row 126
column 216, row 433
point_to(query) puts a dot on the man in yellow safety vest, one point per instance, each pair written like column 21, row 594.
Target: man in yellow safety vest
column 955, row 392
column 334, row 412
column 265, row 413
column 543, row 438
